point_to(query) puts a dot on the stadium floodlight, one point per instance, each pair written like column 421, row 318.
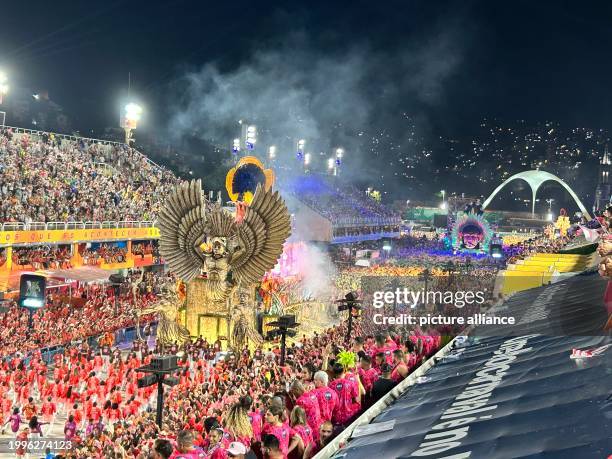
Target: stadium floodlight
column 251, row 137
column 4, row 87
column 272, row 152
column 443, row 205
column 339, row 153
column 300, row 148
column 307, row 159
column 330, row 163
column 236, row 146
column 132, row 113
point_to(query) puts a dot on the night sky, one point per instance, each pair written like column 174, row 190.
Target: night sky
column 518, row 58
column 510, row 60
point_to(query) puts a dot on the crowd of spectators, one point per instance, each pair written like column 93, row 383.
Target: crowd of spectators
column 63, row 320
column 340, row 203
column 107, row 253
column 238, row 404
column 48, row 179
column 42, row 257
column 147, row 248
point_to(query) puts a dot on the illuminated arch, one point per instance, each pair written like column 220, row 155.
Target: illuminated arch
column 535, row 179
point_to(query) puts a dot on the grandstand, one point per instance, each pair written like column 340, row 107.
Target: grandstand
column 46, row 178
column 344, row 214
column 69, row 203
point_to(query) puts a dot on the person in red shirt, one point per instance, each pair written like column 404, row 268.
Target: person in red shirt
column 308, row 401
column 327, row 397
column 301, row 433
column 95, row 413
column 215, row 449
column 367, row 374
column 349, row 400
column 77, row 414
column 326, row 433
column 30, row 409
column 48, row 410
column 274, row 426
column 400, row 369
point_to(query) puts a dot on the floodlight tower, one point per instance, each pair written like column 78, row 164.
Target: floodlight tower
column 300, row 149
column 4, row 87
column 129, row 121
column 339, row 156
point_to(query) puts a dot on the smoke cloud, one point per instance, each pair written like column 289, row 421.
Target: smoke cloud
column 318, row 273
column 334, row 98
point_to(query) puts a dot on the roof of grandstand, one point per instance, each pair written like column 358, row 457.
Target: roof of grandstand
column 518, row 394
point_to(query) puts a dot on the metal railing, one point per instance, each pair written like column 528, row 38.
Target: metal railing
column 42, row 226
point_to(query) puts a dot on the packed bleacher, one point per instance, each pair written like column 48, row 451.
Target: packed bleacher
column 63, row 320
column 52, row 179
column 42, row 257
column 338, row 202
column 107, row 253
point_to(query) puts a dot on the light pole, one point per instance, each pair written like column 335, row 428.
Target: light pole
column 272, row 153
column 285, row 326
column 550, row 215
column 129, row 121
column 306, row 162
column 159, row 371
column 250, row 137
column 331, row 166
column 4, row 88
column 339, row 155
column 349, row 303
column 300, row 149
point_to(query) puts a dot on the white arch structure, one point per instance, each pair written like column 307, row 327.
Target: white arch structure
column 535, row 179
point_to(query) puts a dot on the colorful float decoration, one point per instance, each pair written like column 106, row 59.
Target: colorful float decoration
column 241, row 181
column 471, row 233
column 563, row 223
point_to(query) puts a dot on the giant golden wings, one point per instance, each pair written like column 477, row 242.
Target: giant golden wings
column 254, row 245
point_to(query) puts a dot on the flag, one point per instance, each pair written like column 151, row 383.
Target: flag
column 590, row 235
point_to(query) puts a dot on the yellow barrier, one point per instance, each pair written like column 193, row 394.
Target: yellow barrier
column 538, row 270
column 8, row 238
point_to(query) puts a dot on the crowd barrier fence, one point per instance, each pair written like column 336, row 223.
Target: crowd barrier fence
column 122, row 336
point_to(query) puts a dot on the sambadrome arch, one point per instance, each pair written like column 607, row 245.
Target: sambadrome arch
column 535, row 179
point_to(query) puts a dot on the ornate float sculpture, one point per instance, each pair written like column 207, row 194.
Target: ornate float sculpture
column 471, row 232
column 563, row 223
column 213, row 254
column 169, row 331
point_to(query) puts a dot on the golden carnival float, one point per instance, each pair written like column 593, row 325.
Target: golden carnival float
column 221, row 256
